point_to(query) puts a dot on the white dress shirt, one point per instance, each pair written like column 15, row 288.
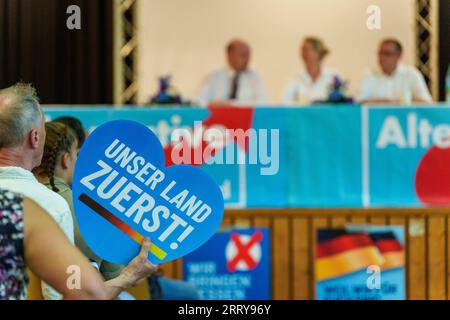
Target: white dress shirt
column 303, row 90
column 218, row 86
column 23, row 181
column 405, row 85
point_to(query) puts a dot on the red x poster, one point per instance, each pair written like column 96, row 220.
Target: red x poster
column 232, row 265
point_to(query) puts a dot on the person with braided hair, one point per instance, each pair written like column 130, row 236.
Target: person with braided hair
column 56, row 172
column 60, row 155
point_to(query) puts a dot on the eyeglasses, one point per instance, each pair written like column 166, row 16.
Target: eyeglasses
column 387, row 53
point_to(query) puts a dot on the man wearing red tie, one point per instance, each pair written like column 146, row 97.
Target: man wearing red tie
column 235, row 84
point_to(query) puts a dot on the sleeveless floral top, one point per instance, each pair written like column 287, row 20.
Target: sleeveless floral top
column 13, row 276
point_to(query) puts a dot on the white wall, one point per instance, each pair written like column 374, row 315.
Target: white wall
column 186, row 38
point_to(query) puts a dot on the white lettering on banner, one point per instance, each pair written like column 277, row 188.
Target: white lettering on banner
column 419, row 133
column 226, row 189
column 212, row 285
column 136, row 204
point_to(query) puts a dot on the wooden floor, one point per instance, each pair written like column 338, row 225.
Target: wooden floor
column 293, row 240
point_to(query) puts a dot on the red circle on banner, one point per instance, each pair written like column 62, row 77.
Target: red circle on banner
column 432, row 181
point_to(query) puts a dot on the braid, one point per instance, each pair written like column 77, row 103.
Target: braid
column 59, row 139
column 52, row 159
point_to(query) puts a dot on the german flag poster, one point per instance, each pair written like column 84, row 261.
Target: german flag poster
column 360, row 263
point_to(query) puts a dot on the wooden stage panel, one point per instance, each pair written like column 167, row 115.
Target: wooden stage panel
column 293, row 234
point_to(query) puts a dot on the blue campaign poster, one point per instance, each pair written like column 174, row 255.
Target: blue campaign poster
column 232, row 265
column 360, row 263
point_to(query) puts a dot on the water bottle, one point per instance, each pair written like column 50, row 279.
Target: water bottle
column 406, row 95
column 447, row 85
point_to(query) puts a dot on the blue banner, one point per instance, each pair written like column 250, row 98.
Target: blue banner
column 321, row 156
column 407, row 156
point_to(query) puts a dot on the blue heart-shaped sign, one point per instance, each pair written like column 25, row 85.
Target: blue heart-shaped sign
column 123, row 192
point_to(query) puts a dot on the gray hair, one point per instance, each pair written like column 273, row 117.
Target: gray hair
column 19, row 113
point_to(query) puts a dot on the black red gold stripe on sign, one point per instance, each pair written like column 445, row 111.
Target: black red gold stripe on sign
column 343, row 243
column 119, row 224
column 347, row 262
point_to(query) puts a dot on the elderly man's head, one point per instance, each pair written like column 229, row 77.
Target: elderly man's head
column 22, row 125
column 389, row 55
column 238, row 54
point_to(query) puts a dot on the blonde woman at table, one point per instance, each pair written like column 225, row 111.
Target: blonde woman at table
column 314, row 82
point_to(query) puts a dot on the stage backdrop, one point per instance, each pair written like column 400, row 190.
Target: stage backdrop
column 187, row 38
column 321, row 156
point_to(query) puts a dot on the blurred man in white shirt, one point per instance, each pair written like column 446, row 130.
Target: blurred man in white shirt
column 235, row 84
column 394, row 82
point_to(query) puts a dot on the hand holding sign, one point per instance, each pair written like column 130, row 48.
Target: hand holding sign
column 139, row 268
column 123, row 193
